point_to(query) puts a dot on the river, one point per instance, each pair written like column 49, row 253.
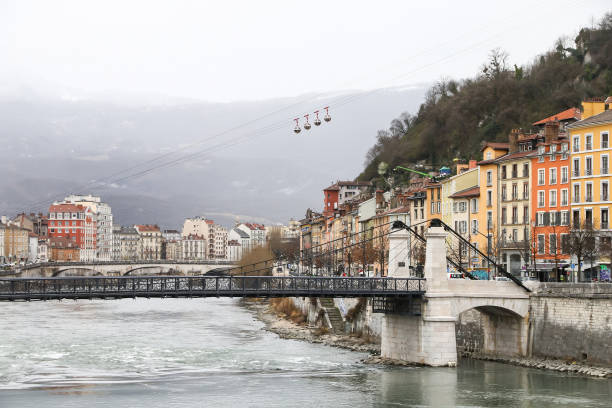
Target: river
column 212, row 352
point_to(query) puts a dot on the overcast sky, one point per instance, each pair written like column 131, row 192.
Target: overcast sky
column 247, row 50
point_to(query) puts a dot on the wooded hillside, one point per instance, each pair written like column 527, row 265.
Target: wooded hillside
column 458, row 115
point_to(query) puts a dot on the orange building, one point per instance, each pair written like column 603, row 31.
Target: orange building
column 550, row 209
column 63, row 249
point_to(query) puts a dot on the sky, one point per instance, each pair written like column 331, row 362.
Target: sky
column 224, row 51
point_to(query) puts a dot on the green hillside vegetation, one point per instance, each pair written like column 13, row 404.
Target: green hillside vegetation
column 457, row 116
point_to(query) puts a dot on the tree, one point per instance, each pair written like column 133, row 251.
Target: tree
column 580, row 243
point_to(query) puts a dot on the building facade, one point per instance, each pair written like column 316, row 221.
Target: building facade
column 75, row 222
column 150, row 242
column 103, row 218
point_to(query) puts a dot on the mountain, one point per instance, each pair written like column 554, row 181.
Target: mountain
column 262, row 171
column 458, row 115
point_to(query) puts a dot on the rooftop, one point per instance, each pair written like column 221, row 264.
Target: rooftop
column 496, row 145
column 568, row 114
column 468, row 192
column 599, row 119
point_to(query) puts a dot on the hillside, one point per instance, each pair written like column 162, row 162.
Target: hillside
column 458, row 115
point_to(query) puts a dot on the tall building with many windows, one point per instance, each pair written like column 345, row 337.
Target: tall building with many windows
column 589, row 139
column 103, row 217
column 550, row 209
column 77, row 223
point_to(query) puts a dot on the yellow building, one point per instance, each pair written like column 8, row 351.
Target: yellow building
column 590, row 166
column 488, row 182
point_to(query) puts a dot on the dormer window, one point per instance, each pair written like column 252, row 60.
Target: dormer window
column 553, row 148
column 564, row 147
column 541, row 150
column 489, row 156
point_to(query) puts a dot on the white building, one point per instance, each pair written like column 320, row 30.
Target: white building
column 215, row 235
column 241, row 238
column 33, row 247
column 104, row 223
column 43, row 250
column 193, row 248
column 234, row 250
column 256, row 232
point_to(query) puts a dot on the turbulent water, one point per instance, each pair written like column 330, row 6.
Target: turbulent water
column 211, row 352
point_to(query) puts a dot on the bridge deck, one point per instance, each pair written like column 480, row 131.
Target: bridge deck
column 205, row 286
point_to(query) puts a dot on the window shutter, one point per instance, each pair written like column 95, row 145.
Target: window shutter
column 546, row 218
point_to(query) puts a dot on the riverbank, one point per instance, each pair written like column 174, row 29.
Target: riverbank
column 547, row 364
column 286, row 329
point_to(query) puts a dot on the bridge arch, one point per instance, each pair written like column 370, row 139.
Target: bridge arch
column 518, row 308
column 153, row 270
column 72, row 271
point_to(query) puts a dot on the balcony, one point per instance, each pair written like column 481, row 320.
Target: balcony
column 588, row 172
column 576, row 173
column 604, row 170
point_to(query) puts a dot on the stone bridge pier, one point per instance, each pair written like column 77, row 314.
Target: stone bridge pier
column 430, row 338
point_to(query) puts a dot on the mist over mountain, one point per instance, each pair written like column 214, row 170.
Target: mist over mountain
column 263, row 172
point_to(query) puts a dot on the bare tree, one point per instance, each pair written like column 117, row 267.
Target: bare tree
column 580, row 243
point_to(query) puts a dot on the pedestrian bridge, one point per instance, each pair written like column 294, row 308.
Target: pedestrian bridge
column 13, row 289
column 119, row 268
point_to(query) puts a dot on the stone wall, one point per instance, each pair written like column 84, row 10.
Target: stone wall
column 572, row 321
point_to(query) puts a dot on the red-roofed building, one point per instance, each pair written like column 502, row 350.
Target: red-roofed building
column 150, row 241
column 76, row 223
column 564, row 118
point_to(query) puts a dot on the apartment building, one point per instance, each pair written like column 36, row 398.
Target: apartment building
column 75, row 222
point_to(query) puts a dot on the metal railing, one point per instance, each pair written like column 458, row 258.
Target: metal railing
column 204, row 286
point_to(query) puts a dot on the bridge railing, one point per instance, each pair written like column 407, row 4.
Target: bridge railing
column 162, row 286
column 130, row 262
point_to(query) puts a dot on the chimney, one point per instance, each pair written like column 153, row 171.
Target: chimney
column 513, row 140
column 379, row 198
column 472, row 164
column 551, row 131
column 461, row 167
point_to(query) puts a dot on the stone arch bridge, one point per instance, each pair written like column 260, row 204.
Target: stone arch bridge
column 118, row 268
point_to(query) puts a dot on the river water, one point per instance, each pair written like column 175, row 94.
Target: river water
column 212, row 352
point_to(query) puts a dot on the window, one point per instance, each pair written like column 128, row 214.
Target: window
column 474, row 205
column 588, row 216
column 564, row 175
column 564, row 200
column 489, row 198
column 553, row 217
column 540, row 244
column 588, row 142
column 576, row 218
column 525, row 215
column 576, row 197
column 553, row 175
column 553, row 198
column 504, row 172
column 576, row 170
column 489, row 220
column 515, row 170
column 604, row 218
column 489, row 178
column 515, row 235
column 564, row 217
column 503, row 193
column 604, row 164
column 514, row 191
column 525, row 169
column 604, row 191
column 461, row 206
column 604, row 140
column 589, row 193
column 514, row 215
column 576, row 146
column 474, row 226
column 525, row 191
column 540, row 218
column 489, row 155
column 541, row 150
column 588, row 166
column 552, row 239
column 541, row 175
column 503, row 215
column 541, row 199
